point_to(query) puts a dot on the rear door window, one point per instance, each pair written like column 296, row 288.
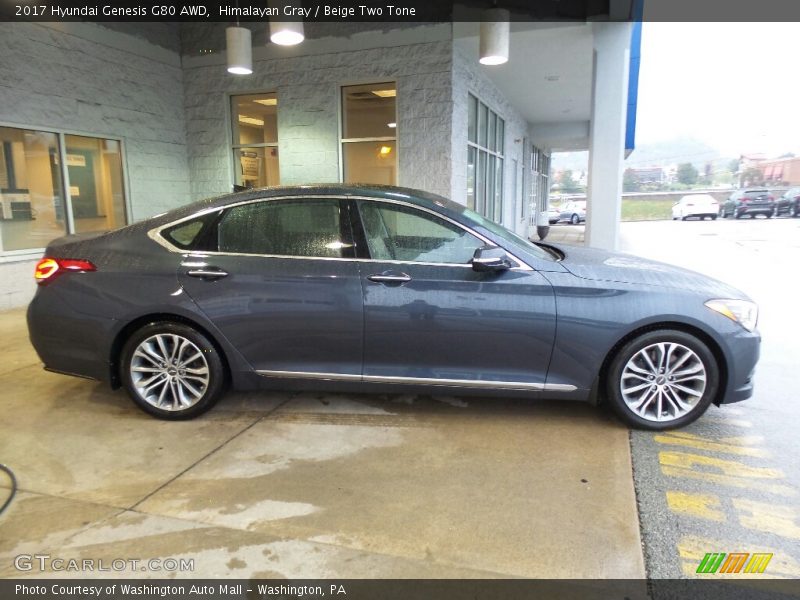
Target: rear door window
column 303, row 228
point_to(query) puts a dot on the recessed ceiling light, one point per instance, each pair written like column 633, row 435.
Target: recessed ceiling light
column 552, row 77
column 392, row 125
column 385, row 93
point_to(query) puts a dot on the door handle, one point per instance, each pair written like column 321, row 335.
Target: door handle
column 208, row 273
column 390, row 278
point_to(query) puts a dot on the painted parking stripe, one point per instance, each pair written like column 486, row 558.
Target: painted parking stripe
column 701, row 506
column 768, row 518
column 700, row 443
column 734, row 474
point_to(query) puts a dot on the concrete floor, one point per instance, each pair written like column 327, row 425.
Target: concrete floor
column 312, row 486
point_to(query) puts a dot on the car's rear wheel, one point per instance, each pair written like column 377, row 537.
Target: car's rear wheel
column 662, row 380
column 172, row 371
column 575, row 219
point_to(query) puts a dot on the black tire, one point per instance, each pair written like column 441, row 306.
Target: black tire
column 208, row 359
column 628, row 351
column 713, row 217
column 737, row 215
column 770, row 214
column 575, row 219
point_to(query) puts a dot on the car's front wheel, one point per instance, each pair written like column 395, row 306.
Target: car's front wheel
column 662, row 380
column 172, row 371
column 575, row 219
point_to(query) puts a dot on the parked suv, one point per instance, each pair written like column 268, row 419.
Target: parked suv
column 749, row 202
column 789, row 203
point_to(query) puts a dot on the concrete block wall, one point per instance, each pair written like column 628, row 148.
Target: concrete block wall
column 308, row 88
column 88, row 79
column 469, row 78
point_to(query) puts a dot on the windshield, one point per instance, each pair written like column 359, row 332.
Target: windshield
column 513, row 240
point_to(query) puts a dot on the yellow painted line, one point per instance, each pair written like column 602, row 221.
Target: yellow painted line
column 728, row 467
column 702, row 444
column 743, row 440
column 692, row 549
column 769, row 518
column 727, row 480
column 702, row 506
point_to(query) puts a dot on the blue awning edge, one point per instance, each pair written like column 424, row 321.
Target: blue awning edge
column 633, row 77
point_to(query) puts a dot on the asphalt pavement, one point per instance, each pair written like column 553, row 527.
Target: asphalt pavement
column 730, row 482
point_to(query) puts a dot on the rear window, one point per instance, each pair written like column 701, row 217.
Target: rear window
column 184, row 235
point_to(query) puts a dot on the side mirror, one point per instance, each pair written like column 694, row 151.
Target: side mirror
column 490, row 258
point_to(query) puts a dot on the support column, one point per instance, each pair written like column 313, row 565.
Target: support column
column 607, row 133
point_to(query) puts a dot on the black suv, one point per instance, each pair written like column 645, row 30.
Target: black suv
column 749, row 202
column 789, row 203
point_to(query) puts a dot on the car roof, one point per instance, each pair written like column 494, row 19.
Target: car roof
column 382, row 192
column 692, row 196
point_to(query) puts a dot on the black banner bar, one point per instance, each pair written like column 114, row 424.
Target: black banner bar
column 402, row 11
column 717, row 588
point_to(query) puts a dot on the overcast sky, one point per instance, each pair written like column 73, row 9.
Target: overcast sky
column 735, row 86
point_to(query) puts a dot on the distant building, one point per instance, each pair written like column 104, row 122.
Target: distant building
column 782, row 171
column 757, row 169
column 648, row 175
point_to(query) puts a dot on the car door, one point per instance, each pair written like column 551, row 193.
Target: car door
column 430, row 318
column 281, row 284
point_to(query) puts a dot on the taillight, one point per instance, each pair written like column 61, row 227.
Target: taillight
column 745, row 200
column 48, row 268
column 771, row 198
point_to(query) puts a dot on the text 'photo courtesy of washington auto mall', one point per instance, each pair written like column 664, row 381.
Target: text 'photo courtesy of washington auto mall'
column 408, row 299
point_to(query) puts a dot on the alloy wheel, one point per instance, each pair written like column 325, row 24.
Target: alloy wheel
column 663, row 381
column 169, row 372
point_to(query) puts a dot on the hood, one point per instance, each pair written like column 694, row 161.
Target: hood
column 601, row 265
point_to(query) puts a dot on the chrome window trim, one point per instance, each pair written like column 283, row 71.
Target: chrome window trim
column 155, row 233
column 468, row 383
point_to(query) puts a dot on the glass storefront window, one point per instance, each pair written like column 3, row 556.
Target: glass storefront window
column 369, row 133
column 255, row 140
column 31, row 199
column 34, row 208
column 96, row 191
column 485, row 164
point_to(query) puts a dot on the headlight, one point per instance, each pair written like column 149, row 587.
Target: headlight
column 743, row 312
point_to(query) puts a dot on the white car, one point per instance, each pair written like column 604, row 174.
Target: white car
column 573, row 212
column 695, row 205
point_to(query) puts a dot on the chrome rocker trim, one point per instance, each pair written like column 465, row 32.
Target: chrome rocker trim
column 466, row 383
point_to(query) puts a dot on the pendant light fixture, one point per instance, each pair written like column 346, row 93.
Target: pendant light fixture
column 239, row 50
column 285, row 32
column 495, row 32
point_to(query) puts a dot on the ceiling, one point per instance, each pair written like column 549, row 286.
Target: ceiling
column 548, row 76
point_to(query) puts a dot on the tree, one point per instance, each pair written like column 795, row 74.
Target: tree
column 630, row 183
column 567, row 183
column 687, row 174
column 733, row 166
column 752, row 176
